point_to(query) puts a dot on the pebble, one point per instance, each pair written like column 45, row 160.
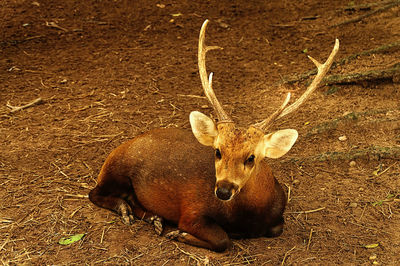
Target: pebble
column 372, row 257
column 352, row 163
column 353, row 205
column 343, row 138
column 296, row 181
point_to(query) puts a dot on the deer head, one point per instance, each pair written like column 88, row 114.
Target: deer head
column 238, row 152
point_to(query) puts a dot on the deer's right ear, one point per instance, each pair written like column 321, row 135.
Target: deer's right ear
column 203, row 128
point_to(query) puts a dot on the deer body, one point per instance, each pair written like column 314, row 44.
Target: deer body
column 212, row 182
column 178, row 185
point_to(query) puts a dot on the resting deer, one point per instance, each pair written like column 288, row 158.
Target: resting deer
column 212, row 183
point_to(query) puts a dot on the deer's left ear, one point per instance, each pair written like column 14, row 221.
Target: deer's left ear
column 278, row 143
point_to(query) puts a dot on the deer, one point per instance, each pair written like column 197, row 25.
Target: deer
column 213, row 182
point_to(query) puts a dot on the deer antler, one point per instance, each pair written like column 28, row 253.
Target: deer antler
column 283, row 110
column 207, row 83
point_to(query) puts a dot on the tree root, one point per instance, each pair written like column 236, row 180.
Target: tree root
column 353, row 117
column 392, row 73
column 366, row 6
column 372, row 152
column 370, row 13
column 381, row 49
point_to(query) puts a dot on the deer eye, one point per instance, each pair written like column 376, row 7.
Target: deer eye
column 218, row 154
column 250, row 160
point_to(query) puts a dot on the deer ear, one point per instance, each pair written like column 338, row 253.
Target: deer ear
column 278, row 143
column 203, row 128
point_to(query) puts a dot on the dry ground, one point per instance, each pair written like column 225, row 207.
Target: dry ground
column 109, row 70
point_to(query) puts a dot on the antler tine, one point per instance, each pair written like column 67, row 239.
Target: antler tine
column 322, row 70
column 207, row 83
column 268, row 122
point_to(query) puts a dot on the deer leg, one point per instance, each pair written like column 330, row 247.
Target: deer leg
column 114, row 203
column 276, row 230
column 146, row 216
column 201, row 233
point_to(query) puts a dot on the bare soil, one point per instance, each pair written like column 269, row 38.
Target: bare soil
column 110, row 70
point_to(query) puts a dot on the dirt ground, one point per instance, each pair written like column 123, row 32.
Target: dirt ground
column 109, row 70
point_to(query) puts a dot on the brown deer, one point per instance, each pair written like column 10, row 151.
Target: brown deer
column 212, row 183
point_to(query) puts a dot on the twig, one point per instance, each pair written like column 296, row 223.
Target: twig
column 5, row 242
column 192, row 96
column 309, row 211
column 74, row 212
column 5, row 220
column 309, row 239
column 288, row 193
column 373, row 12
column 102, row 236
column 286, row 254
column 76, row 196
column 330, row 172
column 388, row 73
column 54, row 25
column 195, row 257
column 17, row 108
column 384, row 171
column 304, row 172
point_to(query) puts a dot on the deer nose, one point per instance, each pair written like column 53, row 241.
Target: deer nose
column 224, row 189
column 223, row 193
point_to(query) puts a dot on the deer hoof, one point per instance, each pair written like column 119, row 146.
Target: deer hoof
column 158, row 223
column 126, row 214
column 175, row 234
column 128, row 219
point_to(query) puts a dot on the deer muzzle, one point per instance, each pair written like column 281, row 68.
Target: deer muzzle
column 225, row 190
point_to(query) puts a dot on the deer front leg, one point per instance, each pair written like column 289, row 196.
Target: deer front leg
column 201, row 232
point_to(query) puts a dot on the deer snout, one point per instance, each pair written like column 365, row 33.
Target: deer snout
column 225, row 190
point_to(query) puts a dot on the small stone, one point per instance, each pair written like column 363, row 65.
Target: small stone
column 352, row 163
column 372, row 257
column 343, row 138
column 375, row 262
column 63, row 81
column 296, row 181
column 346, row 113
column 353, row 205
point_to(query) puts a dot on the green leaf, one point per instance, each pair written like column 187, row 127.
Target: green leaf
column 377, row 203
column 71, row 239
column 375, row 245
column 389, row 196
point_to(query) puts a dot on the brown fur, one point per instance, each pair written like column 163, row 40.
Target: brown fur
column 167, row 172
